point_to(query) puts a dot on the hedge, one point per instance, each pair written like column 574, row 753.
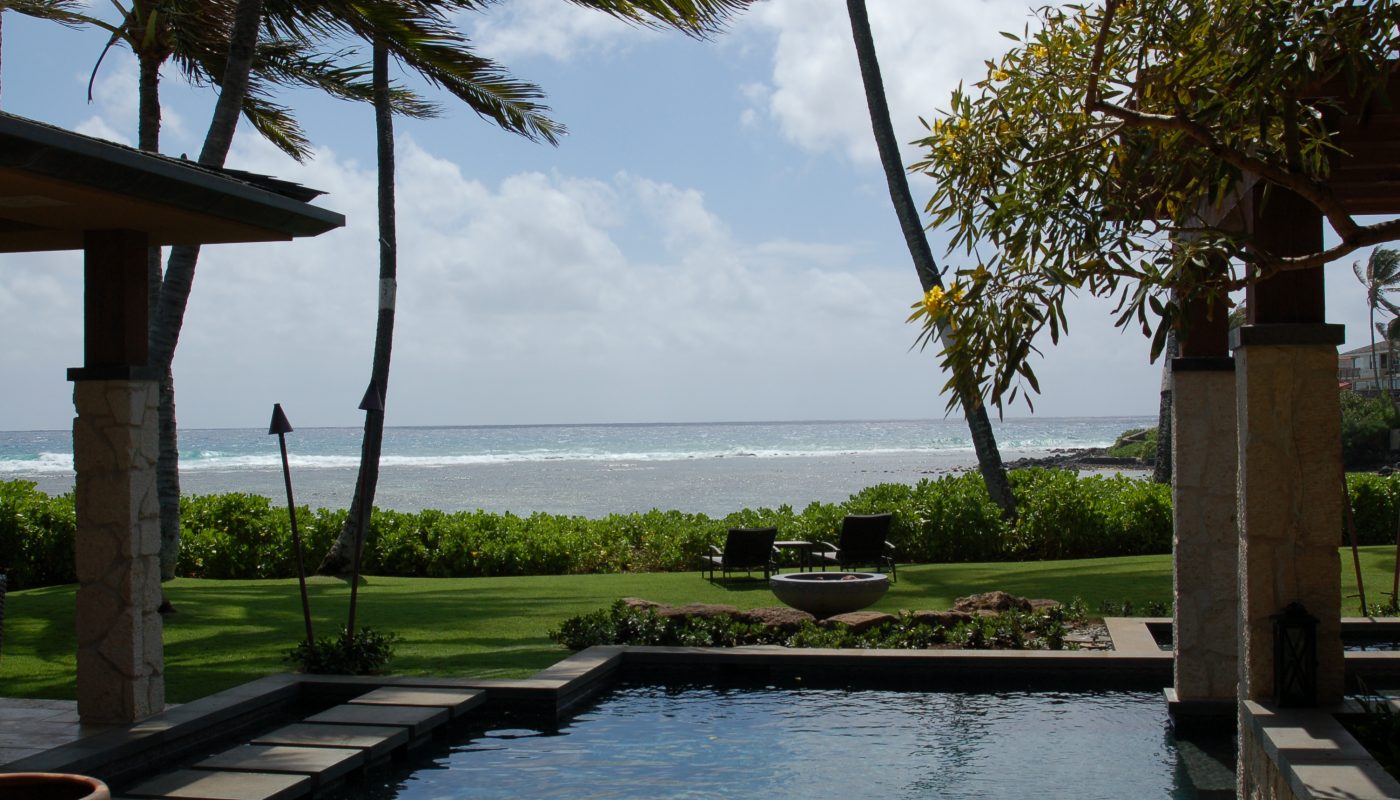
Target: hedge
column 950, row 519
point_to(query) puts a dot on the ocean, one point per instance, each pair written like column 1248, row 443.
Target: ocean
column 587, row 470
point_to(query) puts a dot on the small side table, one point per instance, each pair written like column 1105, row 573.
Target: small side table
column 803, row 550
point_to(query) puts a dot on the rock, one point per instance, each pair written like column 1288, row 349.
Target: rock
column 860, row 621
column 997, row 601
column 705, row 610
column 783, row 618
column 948, row 619
column 1045, row 605
column 637, row 602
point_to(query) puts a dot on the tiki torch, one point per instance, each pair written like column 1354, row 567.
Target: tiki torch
column 281, row 426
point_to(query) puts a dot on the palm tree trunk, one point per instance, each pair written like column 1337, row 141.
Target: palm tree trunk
column 167, row 462
column 1162, row 466
column 983, row 439
column 338, row 560
column 168, row 312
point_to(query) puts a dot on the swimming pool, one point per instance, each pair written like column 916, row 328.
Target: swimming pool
column 649, row 741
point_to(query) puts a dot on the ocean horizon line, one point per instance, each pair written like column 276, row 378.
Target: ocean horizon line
column 659, row 424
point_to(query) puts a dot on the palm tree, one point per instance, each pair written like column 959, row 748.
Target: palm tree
column 695, row 17
column 196, row 36
column 1381, row 276
column 983, row 439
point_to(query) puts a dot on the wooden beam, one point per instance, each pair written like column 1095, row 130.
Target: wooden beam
column 1287, row 225
column 114, row 298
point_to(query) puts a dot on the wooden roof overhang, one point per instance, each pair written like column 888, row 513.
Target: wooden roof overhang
column 55, row 185
column 61, row 190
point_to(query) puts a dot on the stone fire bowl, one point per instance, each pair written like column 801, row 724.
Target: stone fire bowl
column 825, row 594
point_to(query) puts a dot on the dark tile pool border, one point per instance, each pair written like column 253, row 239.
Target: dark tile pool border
column 122, row 755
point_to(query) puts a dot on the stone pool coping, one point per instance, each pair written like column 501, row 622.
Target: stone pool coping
column 123, row 755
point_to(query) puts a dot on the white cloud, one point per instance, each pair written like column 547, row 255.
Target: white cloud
column 547, row 28
column 518, row 302
column 815, row 94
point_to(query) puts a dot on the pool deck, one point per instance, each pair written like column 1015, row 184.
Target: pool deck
column 185, row 751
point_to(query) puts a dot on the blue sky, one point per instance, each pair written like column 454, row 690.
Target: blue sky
column 712, row 241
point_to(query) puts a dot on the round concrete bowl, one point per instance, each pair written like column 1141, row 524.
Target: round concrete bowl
column 51, row 786
column 825, row 594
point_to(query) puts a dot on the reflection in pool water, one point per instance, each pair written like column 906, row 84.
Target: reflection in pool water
column 691, row 741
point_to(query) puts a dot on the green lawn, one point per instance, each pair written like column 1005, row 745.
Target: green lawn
column 229, row 632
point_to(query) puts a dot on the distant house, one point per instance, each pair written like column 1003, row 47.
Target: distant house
column 1355, row 370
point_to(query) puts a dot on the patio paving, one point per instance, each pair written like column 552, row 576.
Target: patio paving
column 30, row 726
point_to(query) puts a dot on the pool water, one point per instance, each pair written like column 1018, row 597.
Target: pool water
column 700, row 741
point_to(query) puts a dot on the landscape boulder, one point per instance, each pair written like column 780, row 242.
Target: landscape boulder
column 859, row 621
column 995, row 602
column 785, row 619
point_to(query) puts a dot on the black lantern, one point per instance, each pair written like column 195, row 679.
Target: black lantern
column 1295, row 657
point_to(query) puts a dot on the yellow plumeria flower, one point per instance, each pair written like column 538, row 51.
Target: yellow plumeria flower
column 933, row 302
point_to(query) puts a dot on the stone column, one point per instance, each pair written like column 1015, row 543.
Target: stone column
column 1290, row 485
column 1205, row 541
column 120, row 656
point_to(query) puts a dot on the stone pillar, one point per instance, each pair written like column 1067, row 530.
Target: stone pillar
column 121, row 662
column 1290, row 485
column 120, row 656
column 1205, row 539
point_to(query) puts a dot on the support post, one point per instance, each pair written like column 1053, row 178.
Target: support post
column 1290, row 451
column 117, row 551
column 1205, row 538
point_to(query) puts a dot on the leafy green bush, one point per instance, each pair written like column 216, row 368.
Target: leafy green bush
column 1140, row 443
column 621, row 624
column 1366, row 424
column 950, row 519
column 1375, row 503
column 367, row 654
column 36, row 536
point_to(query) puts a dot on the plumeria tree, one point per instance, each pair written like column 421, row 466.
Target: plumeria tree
column 1100, row 151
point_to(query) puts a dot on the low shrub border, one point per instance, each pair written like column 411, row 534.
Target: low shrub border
column 950, row 519
column 631, row 624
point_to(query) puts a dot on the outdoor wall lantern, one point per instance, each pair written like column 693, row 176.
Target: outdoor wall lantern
column 1295, row 657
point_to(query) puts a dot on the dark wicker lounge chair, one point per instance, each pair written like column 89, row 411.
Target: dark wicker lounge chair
column 745, row 550
column 864, row 543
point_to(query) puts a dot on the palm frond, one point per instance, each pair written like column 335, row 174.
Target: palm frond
column 698, row 18
column 65, row 12
column 277, row 125
column 419, row 35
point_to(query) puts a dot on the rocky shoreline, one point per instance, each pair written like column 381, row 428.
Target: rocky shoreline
column 1087, row 458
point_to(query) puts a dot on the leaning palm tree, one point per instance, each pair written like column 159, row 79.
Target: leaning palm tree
column 422, row 48
column 1381, row 277
column 974, row 411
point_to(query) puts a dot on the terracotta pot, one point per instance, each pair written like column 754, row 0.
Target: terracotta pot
column 51, row 786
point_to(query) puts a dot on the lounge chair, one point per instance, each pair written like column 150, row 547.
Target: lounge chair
column 745, row 550
column 864, row 543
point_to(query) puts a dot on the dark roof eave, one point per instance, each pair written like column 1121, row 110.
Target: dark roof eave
column 62, row 155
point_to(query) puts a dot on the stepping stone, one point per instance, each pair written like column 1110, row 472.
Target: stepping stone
column 418, row 719
column 457, row 701
column 322, row 764
column 193, row 784
column 377, row 740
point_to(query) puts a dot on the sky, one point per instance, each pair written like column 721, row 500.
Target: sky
column 713, row 240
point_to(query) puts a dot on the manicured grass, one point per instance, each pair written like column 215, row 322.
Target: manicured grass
column 229, row 632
